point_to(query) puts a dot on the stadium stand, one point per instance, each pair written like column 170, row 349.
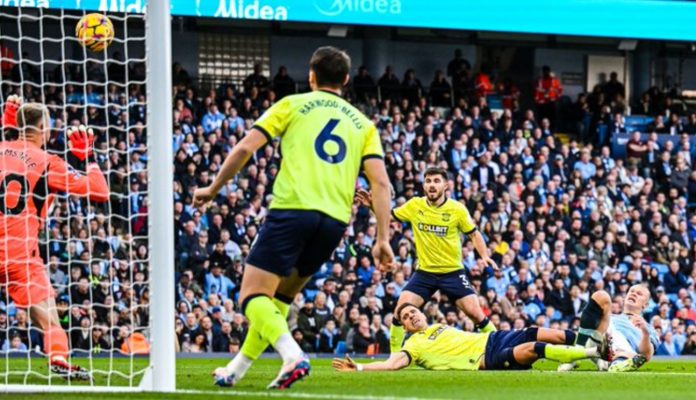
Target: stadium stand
column 564, row 217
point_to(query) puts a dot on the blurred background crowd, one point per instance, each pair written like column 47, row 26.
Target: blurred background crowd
column 563, row 215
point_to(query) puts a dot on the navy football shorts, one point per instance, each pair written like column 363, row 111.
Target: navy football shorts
column 500, row 345
column 295, row 239
column 454, row 285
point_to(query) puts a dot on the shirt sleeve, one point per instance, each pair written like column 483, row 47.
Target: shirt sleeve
column 373, row 144
column 466, row 224
column 274, row 121
column 63, row 178
column 406, row 212
column 413, row 349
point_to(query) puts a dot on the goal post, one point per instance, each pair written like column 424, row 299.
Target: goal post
column 161, row 177
column 114, row 370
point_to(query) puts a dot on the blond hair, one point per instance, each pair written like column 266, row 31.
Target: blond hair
column 30, row 116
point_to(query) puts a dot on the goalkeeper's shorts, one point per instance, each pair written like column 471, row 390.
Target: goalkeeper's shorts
column 26, row 281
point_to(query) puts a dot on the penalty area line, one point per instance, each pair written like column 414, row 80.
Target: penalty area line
column 295, row 395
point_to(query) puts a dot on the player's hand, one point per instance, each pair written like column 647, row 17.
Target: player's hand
column 9, row 115
column 344, row 364
column 639, row 322
column 80, row 141
column 203, row 196
column 383, row 255
column 489, row 261
column 363, row 197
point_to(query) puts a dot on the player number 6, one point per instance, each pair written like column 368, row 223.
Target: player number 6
column 327, row 136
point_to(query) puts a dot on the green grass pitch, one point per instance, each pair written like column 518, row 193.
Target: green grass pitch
column 663, row 379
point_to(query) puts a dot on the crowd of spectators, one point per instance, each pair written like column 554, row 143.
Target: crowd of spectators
column 563, row 218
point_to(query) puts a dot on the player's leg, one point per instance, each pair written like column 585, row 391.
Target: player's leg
column 527, row 353
column 519, row 349
column 594, row 320
column 555, row 336
column 457, row 287
column 254, row 344
column 319, row 246
column 419, row 288
column 594, row 323
column 30, row 288
column 279, row 244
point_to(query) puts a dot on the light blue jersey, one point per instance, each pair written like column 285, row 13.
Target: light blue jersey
column 626, row 337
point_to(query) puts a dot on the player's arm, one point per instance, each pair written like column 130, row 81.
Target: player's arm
column 92, row 183
column 373, row 164
column 467, row 226
column 381, row 204
column 481, row 248
column 645, row 347
column 395, row 362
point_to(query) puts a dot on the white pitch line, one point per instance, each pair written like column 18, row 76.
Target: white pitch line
column 297, row 395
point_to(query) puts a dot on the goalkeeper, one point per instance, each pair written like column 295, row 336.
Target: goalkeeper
column 28, row 178
column 441, row 347
column 437, row 222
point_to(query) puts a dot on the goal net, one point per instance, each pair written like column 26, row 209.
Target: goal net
column 97, row 252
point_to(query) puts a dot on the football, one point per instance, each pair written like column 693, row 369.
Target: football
column 95, row 31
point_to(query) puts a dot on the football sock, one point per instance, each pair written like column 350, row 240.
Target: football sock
column 56, row 343
column 240, row 364
column 254, row 345
column 396, row 337
column 288, row 348
column 486, row 326
column 570, row 337
column 566, row 354
column 272, row 326
column 589, row 321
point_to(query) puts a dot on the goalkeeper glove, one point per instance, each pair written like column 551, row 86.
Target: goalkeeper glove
column 9, row 116
column 81, row 142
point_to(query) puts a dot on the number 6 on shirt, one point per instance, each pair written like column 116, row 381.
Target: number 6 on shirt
column 327, row 136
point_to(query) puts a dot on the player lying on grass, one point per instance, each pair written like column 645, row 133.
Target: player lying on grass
column 441, row 347
column 29, row 176
column 326, row 142
column 437, row 222
column 633, row 341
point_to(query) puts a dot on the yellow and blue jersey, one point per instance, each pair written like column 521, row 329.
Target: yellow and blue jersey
column 441, row 347
column 436, row 232
column 324, row 140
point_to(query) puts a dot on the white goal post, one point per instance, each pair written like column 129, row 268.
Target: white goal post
column 160, row 373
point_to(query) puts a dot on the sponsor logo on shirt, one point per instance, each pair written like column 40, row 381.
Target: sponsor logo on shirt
column 437, row 332
column 436, row 230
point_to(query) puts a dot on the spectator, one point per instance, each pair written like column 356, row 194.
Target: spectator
column 304, row 344
column 256, row 79
column 329, row 337
column 308, row 324
column 283, row 84
column 363, row 85
column 363, row 340
column 440, row 90
column 458, row 64
column 668, row 347
column 388, row 83
column 548, row 92
column 613, row 87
